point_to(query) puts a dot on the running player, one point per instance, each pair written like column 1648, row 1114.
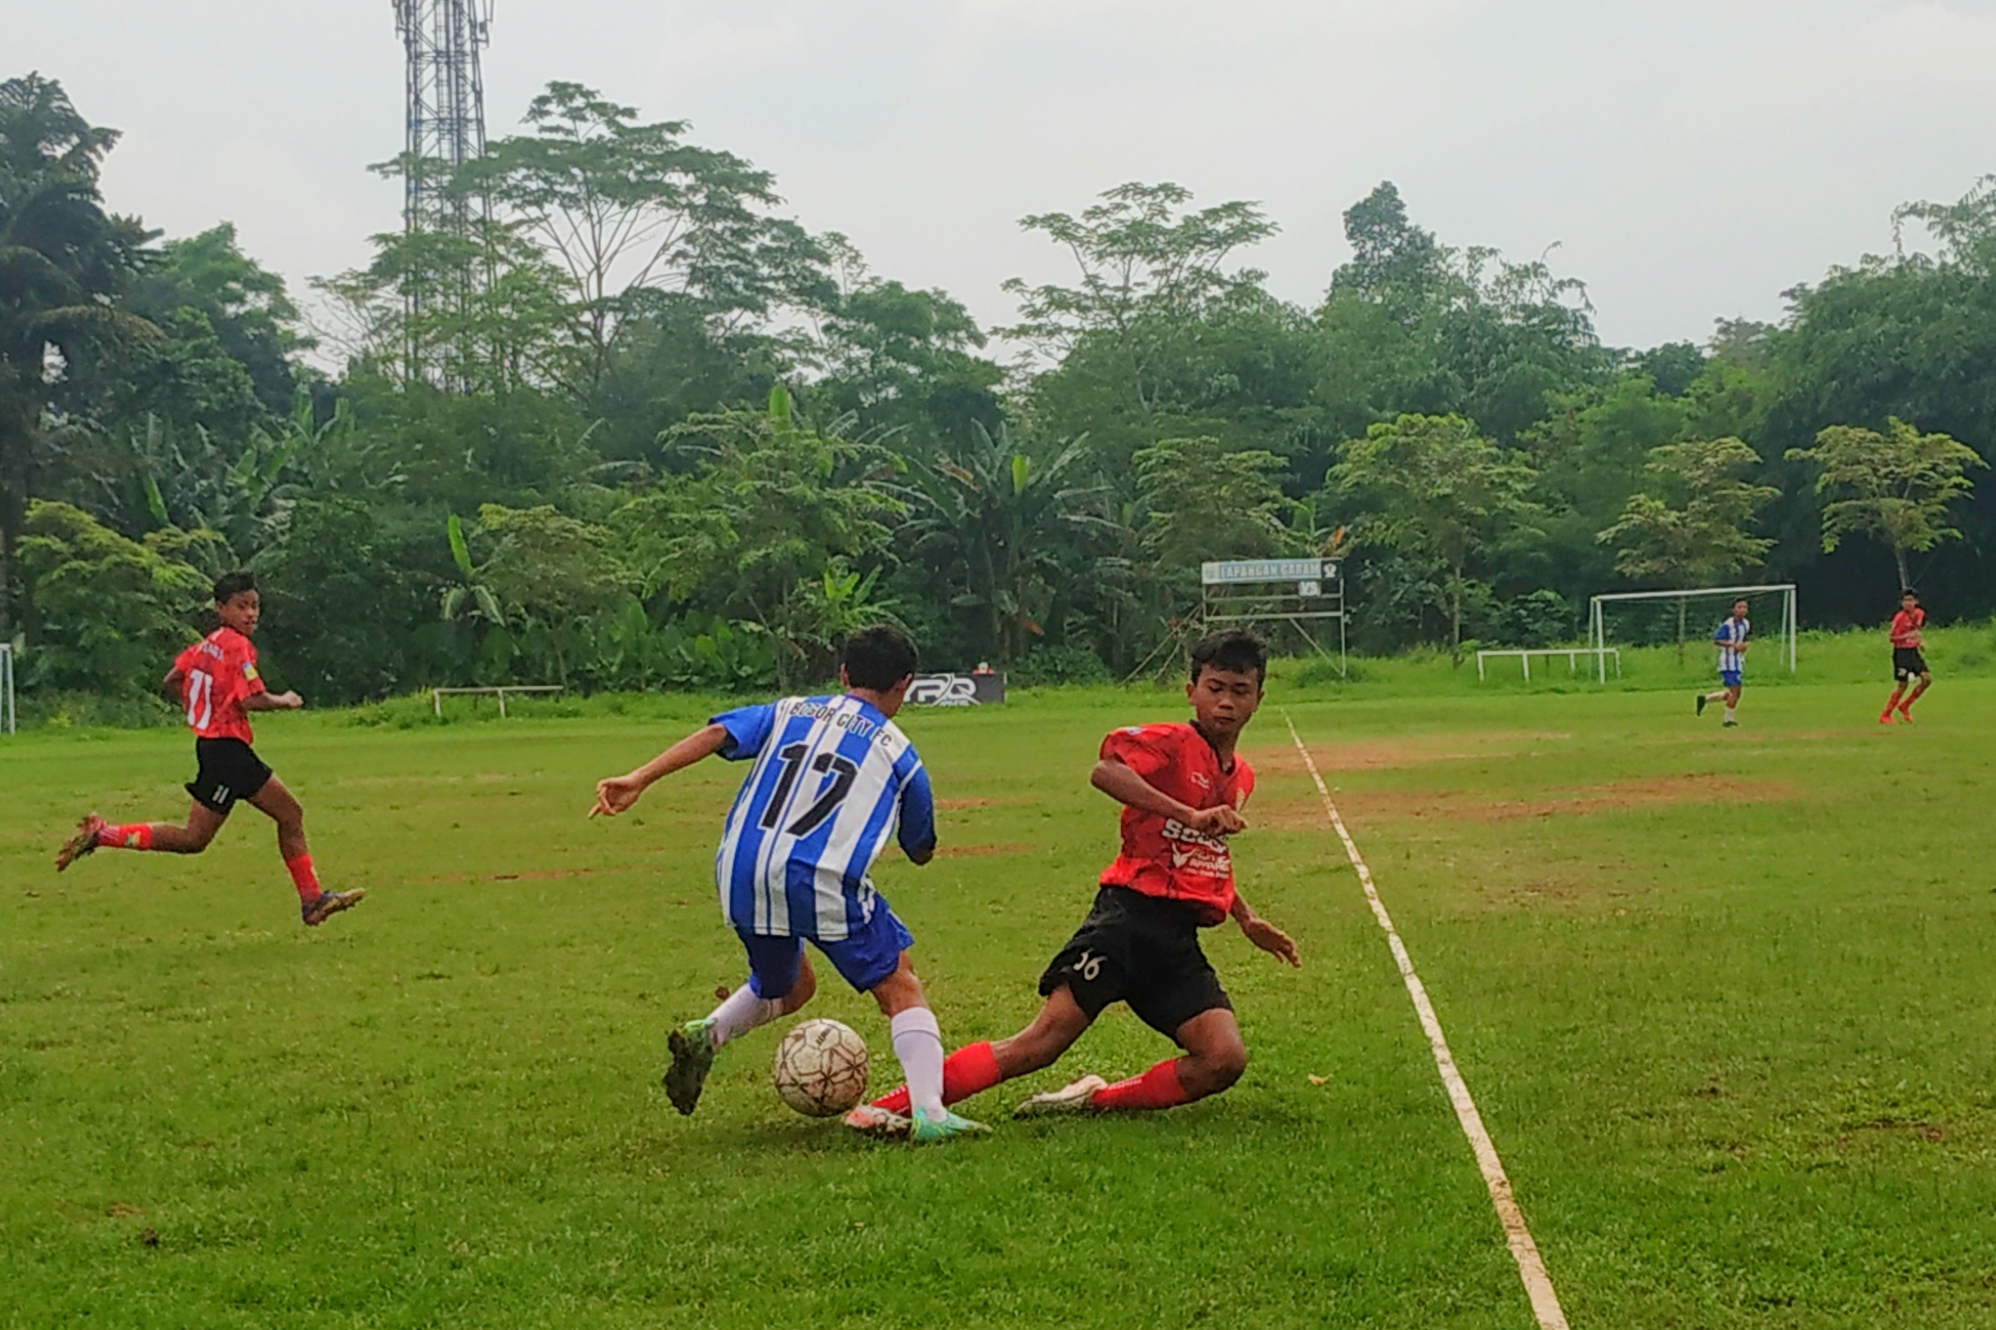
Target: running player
column 217, row 681
column 833, row 779
column 1908, row 661
column 1182, row 787
column 1732, row 639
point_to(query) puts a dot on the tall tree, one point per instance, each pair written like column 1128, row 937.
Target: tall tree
column 1693, row 524
column 634, row 216
column 1897, row 486
column 1436, row 494
column 62, row 260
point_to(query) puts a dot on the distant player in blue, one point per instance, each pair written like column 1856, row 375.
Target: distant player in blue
column 1732, row 641
column 834, row 778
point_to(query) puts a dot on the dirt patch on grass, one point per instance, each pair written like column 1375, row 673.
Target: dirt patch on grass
column 1459, row 805
column 1392, row 754
column 983, row 851
column 998, row 801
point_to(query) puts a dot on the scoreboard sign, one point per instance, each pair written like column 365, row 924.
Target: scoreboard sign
column 1245, row 572
column 957, row 690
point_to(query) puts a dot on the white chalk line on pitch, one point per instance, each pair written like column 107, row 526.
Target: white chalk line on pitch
column 1531, row 1267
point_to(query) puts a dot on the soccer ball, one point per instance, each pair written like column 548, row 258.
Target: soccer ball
column 821, row 1069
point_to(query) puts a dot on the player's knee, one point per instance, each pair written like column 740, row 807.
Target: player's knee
column 802, row 989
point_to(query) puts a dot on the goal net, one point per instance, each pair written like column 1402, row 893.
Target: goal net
column 1686, row 620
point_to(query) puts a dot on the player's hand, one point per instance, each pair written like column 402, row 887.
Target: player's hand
column 615, row 795
column 1272, row 940
column 1224, row 820
column 289, row 701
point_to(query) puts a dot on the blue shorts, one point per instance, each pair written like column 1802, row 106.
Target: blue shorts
column 1730, row 678
column 864, row 959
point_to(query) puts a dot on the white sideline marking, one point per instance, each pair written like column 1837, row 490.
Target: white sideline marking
column 1531, row 1268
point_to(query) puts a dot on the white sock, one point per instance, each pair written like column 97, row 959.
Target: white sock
column 1729, row 713
column 918, row 1042
column 742, row 1012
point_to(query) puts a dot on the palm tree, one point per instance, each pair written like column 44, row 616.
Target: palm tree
column 1000, row 525
column 62, row 261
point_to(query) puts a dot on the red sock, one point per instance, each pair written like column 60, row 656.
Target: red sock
column 136, row 836
column 1157, row 1088
column 970, row 1070
column 302, row 874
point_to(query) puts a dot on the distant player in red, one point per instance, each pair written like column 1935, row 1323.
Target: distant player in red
column 217, row 681
column 1908, row 660
column 1182, row 787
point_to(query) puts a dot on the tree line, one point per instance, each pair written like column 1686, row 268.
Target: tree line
column 631, row 426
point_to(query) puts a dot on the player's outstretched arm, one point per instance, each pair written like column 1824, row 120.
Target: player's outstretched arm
column 170, row 685
column 617, row 793
column 1265, row 935
column 273, row 702
column 1126, row 787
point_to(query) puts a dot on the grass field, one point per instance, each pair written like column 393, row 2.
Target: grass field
column 1727, row 1002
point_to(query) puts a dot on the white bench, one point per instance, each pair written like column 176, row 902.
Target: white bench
column 437, row 694
column 1572, row 654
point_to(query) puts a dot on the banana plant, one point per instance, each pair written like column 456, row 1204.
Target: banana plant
column 469, row 599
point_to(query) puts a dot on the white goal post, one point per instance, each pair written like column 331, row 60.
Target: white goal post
column 1598, row 624
column 7, row 720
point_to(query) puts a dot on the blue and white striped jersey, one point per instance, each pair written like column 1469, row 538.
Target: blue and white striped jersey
column 833, row 779
column 1729, row 637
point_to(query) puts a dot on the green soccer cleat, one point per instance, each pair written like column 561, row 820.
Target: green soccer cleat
column 693, row 1052
column 1076, row 1098
column 1702, row 700
column 925, row 1130
column 1729, row 724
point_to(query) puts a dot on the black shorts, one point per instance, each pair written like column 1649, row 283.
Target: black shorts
column 229, row 770
column 1141, row 950
column 1907, row 663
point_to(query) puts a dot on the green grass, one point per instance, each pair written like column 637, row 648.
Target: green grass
column 1724, row 1000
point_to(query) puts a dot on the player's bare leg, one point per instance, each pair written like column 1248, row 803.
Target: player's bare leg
column 1215, row 1057
column 94, row 833
column 1732, row 700
column 315, row 903
column 694, row 1044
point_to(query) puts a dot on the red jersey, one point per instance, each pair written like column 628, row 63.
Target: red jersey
column 1161, row 855
column 217, row 673
column 1906, row 629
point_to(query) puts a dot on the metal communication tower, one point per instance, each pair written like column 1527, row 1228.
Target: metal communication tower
column 446, row 129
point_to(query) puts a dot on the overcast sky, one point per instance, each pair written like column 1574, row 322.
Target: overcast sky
column 1692, row 159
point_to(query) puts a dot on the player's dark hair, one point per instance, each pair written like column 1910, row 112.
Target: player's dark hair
column 1234, row 649
column 230, row 585
column 879, row 657
column 1909, row 591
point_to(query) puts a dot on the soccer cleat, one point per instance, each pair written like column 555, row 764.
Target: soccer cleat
column 1076, row 1098
column 327, row 904
column 869, row 1120
column 693, row 1050
column 1885, row 716
column 925, row 1130
column 1906, row 714
column 1702, row 700
column 82, row 843
column 1731, row 724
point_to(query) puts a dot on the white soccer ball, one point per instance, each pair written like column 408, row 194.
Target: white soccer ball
column 821, row 1069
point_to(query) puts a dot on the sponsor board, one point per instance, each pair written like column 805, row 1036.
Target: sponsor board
column 957, row 690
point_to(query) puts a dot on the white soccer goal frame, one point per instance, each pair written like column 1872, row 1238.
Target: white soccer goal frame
column 1597, row 621
column 7, row 717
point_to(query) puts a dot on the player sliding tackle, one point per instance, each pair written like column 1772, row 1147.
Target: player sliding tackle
column 1182, row 788
column 217, row 682
column 833, row 779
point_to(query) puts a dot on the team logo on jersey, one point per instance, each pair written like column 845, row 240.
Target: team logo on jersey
column 1202, row 780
